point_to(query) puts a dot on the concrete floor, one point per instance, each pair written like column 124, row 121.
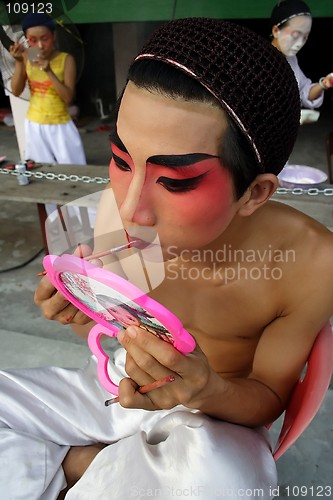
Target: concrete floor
column 28, row 339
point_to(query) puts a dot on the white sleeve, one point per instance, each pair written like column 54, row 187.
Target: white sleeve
column 304, row 85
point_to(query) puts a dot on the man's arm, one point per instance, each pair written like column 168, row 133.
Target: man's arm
column 252, row 401
column 19, row 77
column 279, row 359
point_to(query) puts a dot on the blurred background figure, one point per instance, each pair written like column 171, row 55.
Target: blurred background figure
column 291, row 22
column 51, row 135
column 19, row 105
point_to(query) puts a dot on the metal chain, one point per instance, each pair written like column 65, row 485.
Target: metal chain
column 309, row 191
column 100, row 180
column 59, row 177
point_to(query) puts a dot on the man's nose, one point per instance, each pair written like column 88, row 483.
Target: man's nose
column 138, row 207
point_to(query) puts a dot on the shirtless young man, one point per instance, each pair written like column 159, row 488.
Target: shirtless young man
column 254, row 319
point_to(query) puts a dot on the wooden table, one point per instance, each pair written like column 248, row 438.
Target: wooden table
column 52, row 191
column 41, row 191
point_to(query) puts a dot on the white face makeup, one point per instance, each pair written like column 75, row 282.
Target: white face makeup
column 291, row 38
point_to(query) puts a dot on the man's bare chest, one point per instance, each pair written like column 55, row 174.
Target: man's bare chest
column 223, row 311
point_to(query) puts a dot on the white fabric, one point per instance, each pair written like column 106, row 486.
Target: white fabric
column 19, row 108
column 54, row 143
column 304, row 85
column 165, row 454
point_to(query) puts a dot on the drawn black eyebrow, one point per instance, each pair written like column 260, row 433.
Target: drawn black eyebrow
column 179, row 161
column 169, row 161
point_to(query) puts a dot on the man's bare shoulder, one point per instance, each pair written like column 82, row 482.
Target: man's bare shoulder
column 308, row 275
column 298, row 229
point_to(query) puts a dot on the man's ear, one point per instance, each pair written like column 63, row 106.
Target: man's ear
column 258, row 193
column 275, row 31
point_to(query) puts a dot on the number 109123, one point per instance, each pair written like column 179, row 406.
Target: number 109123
column 26, row 7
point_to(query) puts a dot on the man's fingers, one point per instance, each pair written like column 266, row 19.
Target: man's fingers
column 163, row 352
column 129, row 397
column 139, row 375
column 83, row 250
column 97, row 262
column 71, row 315
column 45, row 290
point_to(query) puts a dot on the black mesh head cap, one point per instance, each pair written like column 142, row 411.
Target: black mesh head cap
column 249, row 77
column 287, row 9
column 34, row 19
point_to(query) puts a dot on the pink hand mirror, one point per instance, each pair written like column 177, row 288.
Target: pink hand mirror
column 113, row 303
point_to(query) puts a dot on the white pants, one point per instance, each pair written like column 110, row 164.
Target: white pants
column 175, row 453
column 54, row 143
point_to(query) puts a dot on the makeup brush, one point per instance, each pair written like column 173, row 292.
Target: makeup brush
column 134, row 244
column 146, row 388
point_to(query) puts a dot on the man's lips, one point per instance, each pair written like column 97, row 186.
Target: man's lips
column 145, row 235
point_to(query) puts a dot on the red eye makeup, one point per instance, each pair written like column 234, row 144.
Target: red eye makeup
column 180, row 165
